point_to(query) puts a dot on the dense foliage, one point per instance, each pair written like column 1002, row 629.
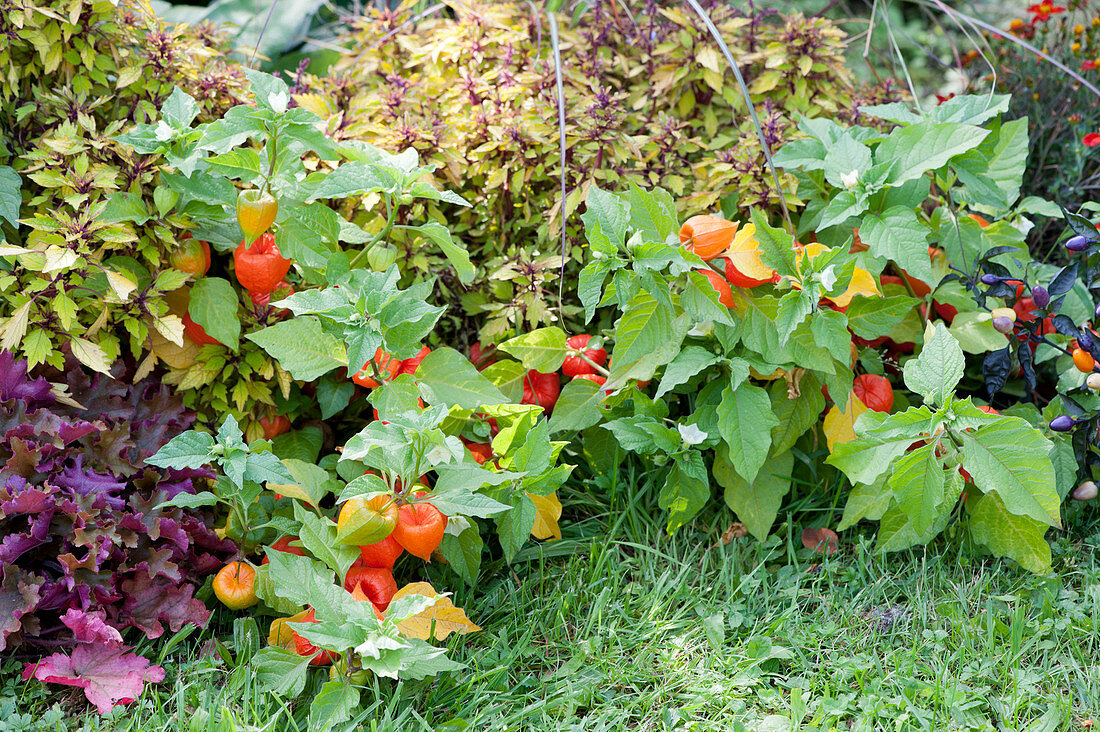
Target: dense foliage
column 88, row 536
column 649, row 100
column 324, row 319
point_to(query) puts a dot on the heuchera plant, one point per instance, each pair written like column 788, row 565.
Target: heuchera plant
column 89, row 549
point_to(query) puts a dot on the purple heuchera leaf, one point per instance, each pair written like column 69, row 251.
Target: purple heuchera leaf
column 14, row 383
column 90, row 627
column 152, row 601
column 87, row 547
column 108, row 672
column 18, row 595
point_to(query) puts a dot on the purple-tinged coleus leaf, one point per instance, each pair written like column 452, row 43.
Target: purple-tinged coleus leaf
column 109, row 673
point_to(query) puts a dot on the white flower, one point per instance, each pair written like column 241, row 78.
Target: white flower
column 702, row 329
column 278, row 101
column 164, row 132
column 691, row 434
column 849, row 179
column 439, row 454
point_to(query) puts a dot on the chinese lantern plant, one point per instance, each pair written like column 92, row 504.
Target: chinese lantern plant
column 249, row 187
column 739, row 344
column 1014, row 492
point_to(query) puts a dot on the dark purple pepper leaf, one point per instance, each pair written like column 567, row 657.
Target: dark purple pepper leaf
column 995, row 370
column 1063, row 281
column 1065, row 325
column 1079, row 224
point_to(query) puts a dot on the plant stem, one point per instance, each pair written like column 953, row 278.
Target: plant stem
column 391, row 216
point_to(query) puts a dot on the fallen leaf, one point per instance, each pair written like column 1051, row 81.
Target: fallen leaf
column 446, row 617
column 820, row 541
column 108, row 672
column 736, row 530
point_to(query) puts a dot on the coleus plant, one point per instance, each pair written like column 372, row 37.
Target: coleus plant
column 93, row 544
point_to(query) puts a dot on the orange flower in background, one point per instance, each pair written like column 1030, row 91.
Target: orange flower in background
column 940, row 98
column 1092, row 139
column 1043, row 10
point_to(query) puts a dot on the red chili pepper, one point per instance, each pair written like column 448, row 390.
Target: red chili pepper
column 260, row 267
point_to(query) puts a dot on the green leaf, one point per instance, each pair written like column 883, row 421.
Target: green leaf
column 455, row 493
column 1008, row 534
column 686, row 489
column 578, row 407
column 926, row 146
column 514, row 527
column 303, row 444
column 10, row 198
column 898, row 235
column 756, row 503
column 455, row 253
column 333, row 395
column 542, row 349
column 871, row 317
column 126, row 206
column 301, row 347
column 188, row 450
column 794, row 416
column 605, row 220
column 265, row 590
column 214, row 306
column 281, row 671
column 332, row 705
column 319, row 537
column 776, row 246
column 975, row 333
column 1009, row 457
column 190, row 500
column 971, row 109
column 507, row 376
column 700, row 300
column 647, row 336
column 919, row 487
column 310, row 483
column 653, row 213
column 687, row 364
column 865, row 502
column 745, row 421
column 448, row 377
column 939, row 367
column 463, row 554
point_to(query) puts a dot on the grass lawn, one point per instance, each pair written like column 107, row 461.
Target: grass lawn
column 621, row 627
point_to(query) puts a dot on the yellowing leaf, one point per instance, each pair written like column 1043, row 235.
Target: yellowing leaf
column 121, row 285
column 446, row 617
column 546, row 519
column 863, row 283
column 171, row 327
column 91, row 355
column 838, row 424
column 744, row 252
column 16, row 327
column 280, row 634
